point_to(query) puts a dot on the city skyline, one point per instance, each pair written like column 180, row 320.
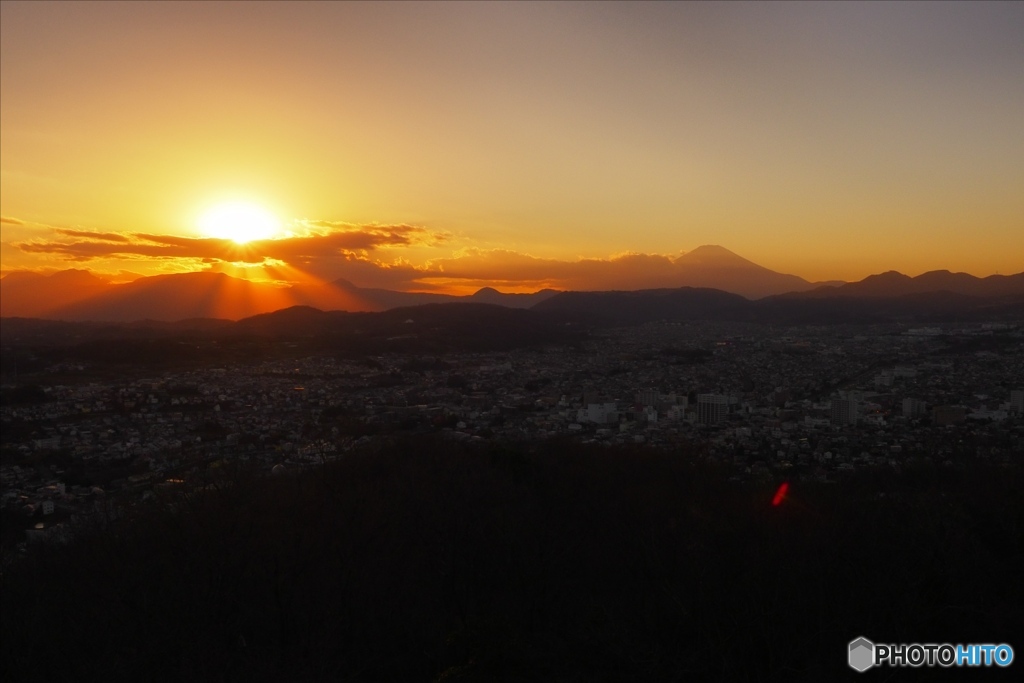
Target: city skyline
column 445, row 147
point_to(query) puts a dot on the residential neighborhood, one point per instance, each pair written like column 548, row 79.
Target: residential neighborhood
column 802, row 403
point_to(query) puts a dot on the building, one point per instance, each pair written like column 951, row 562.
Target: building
column 913, row 407
column 647, row 397
column 712, row 408
column 676, row 412
column 600, row 413
column 844, row 411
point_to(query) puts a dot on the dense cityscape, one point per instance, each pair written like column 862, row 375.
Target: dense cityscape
column 801, row 403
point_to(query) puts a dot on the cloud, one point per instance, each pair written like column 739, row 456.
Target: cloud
column 11, row 221
column 334, row 250
column 625, row 271
column 504, row 269
column 383, row 235
column 323, row 240
column 89, row 234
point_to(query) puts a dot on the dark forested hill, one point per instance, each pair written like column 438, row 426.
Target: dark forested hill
column 426, row 560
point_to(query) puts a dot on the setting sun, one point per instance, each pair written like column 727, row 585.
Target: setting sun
column 239, row 221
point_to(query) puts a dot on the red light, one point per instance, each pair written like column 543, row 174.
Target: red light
column 780, row 494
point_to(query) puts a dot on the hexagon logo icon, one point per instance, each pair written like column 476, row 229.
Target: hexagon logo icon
column 862, row 654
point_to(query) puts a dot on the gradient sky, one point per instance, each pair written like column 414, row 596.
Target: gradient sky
column 827, row 140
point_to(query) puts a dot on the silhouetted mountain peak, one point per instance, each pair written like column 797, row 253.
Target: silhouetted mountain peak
column 20, row 276
column 69, row 277
column 342, row 283
column 76, row 275
column 29, row 294
column 715, row 266
column 713, row 249
column 892, row 275
column 943, row 279
column 715, row 256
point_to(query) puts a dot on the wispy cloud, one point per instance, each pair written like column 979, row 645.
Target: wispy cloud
column 89, row 234
column 11, row 221
column 626, row 271
column 322, row 240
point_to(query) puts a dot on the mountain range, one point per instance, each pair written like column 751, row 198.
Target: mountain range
column 79, row 295
column 893, row 284
column 726, row 282
column 567, row 318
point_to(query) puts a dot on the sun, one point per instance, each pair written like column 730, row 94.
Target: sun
column 240, row 222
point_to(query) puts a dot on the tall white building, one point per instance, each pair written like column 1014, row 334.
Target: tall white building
column 913, row 407
column 712, row 408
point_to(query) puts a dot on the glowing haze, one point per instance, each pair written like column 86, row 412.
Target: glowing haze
column 448, row 146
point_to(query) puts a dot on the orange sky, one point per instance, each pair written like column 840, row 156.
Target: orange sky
column 419, row 145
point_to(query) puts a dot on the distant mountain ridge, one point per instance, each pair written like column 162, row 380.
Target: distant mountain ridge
column 78, row 295
column 892, row 284
column 692, row 304
column 684, row 303
column 566, row 318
